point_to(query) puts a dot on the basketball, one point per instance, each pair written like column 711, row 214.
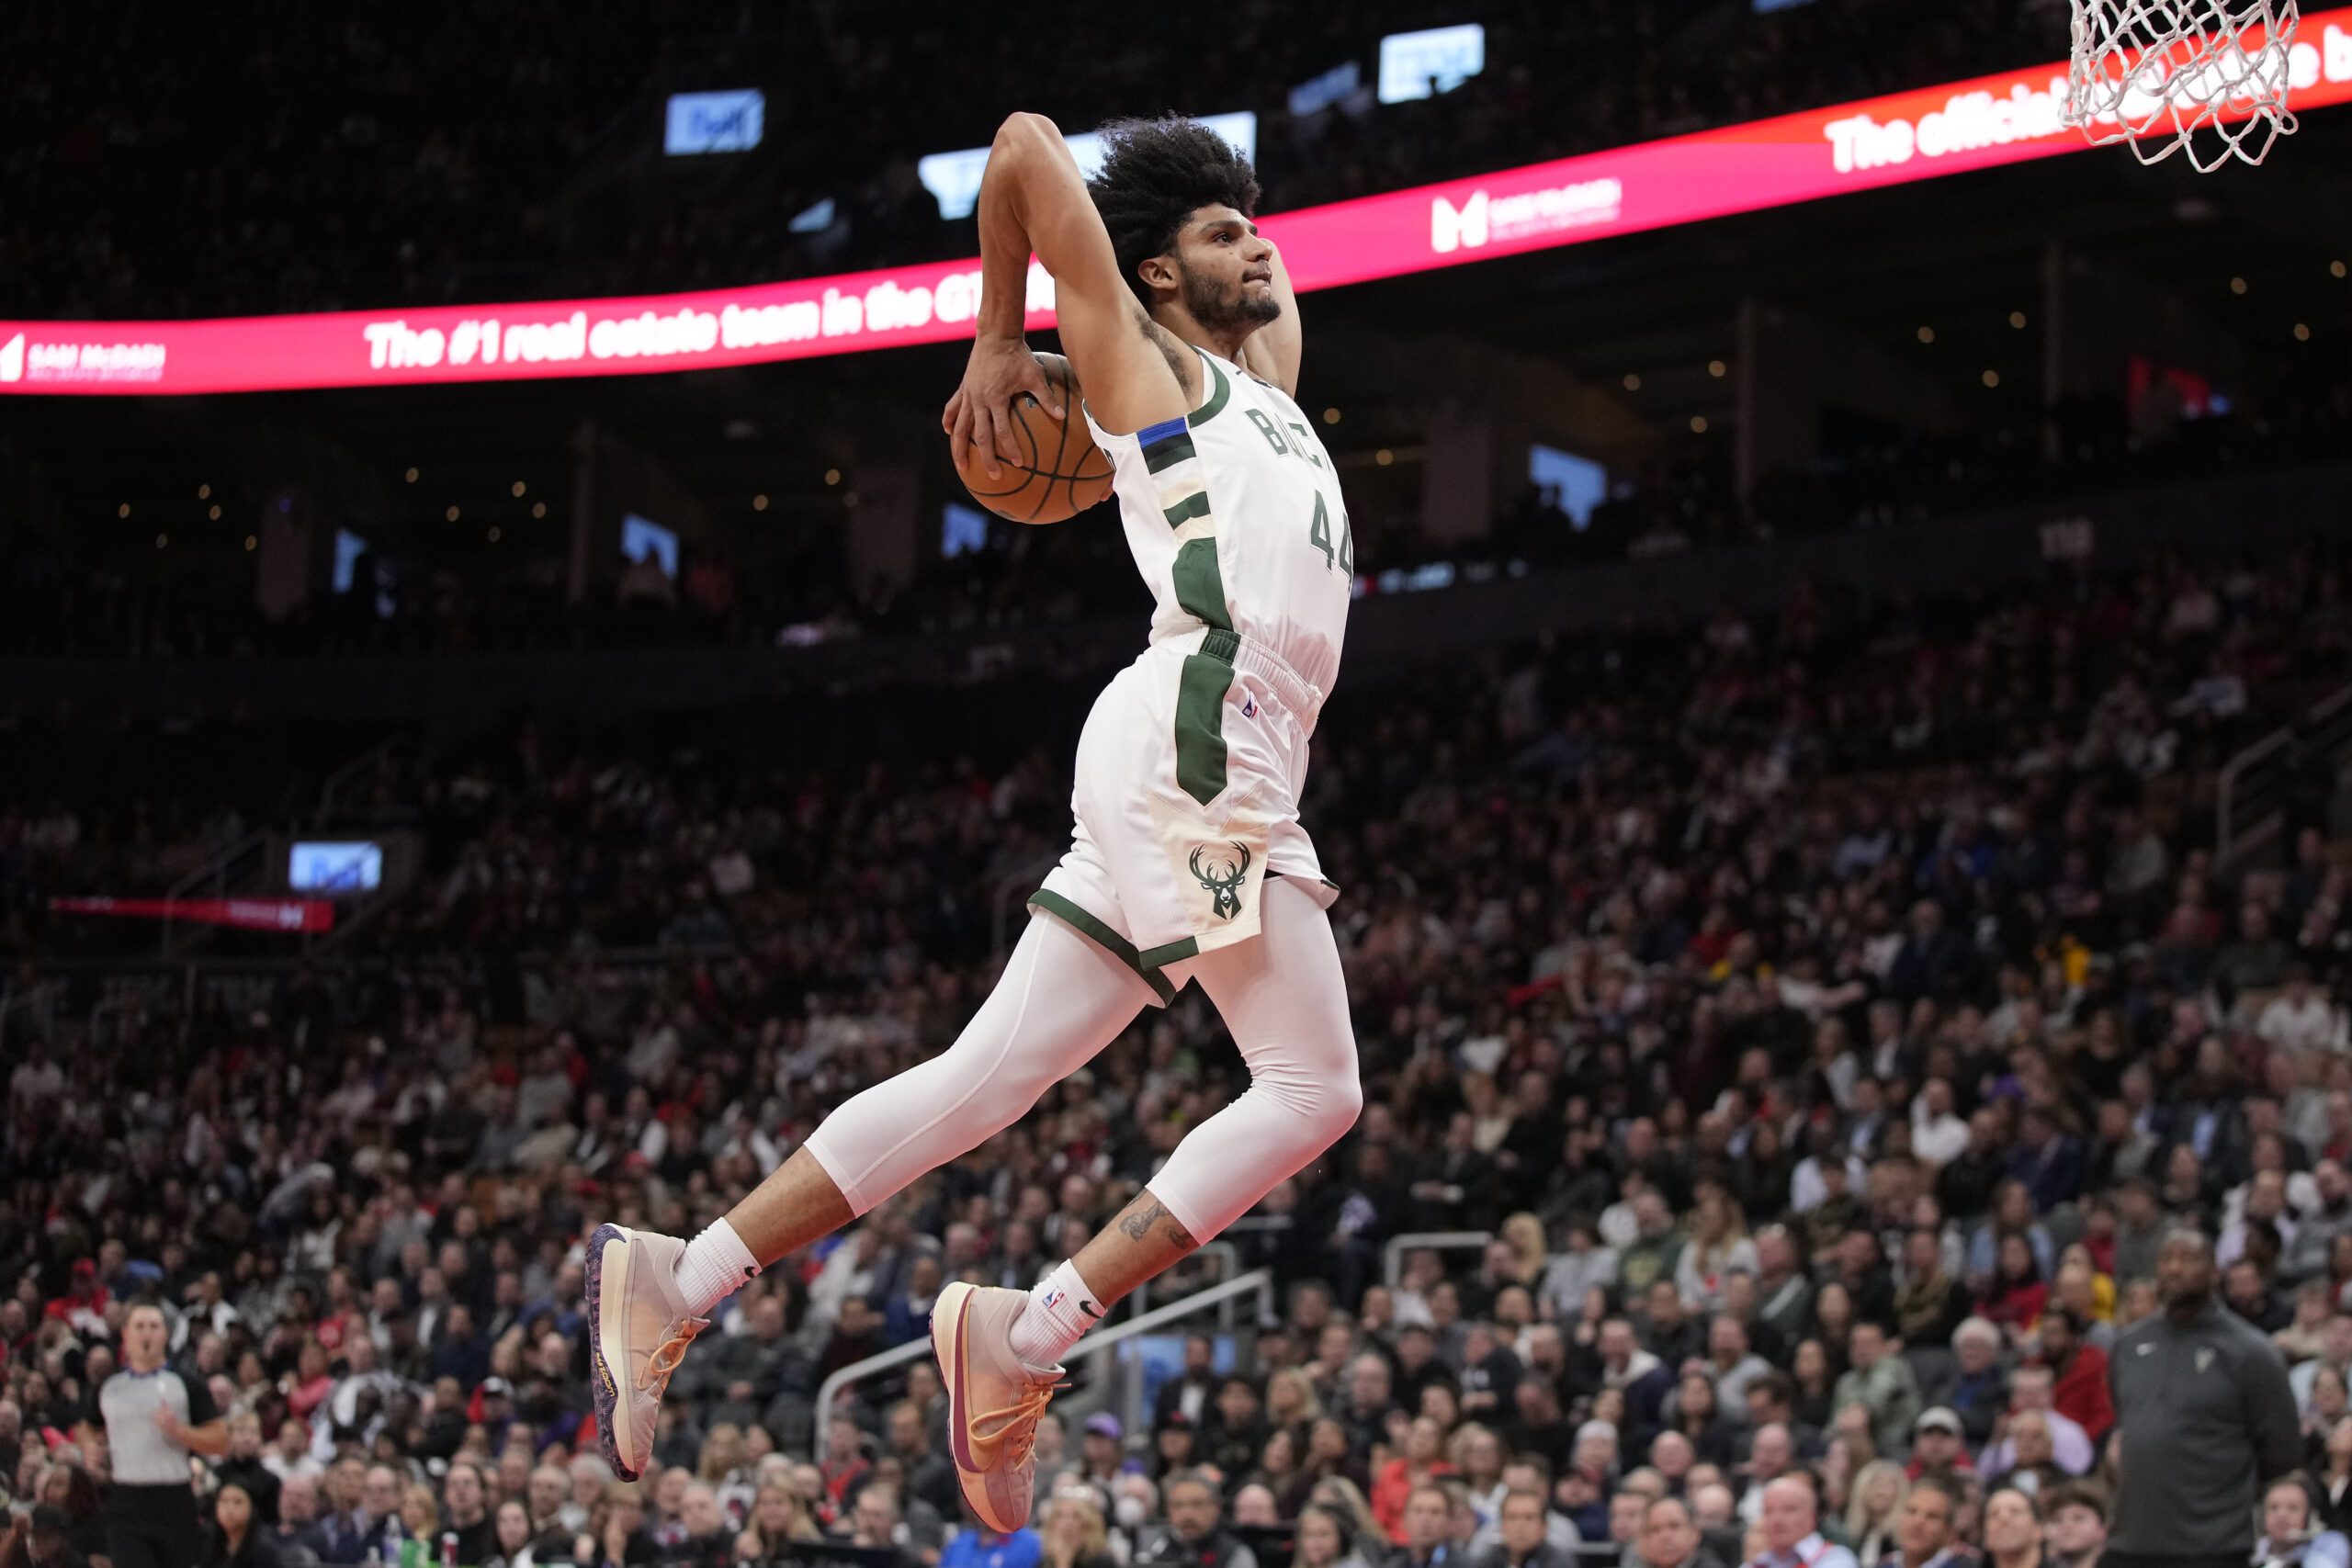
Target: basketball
column 1058, row 471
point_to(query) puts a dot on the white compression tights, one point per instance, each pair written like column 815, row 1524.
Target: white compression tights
column 1061, row 999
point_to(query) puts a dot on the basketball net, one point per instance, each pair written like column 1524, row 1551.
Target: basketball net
column 2207, row 78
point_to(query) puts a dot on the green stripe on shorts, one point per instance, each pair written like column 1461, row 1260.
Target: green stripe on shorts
column 1172, row 952
column 1103, row 937
column 1200, row 726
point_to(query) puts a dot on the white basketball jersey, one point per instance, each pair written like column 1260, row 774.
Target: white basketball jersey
column 1236, row 521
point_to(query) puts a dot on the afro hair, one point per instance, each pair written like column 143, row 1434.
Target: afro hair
column 1156, row 174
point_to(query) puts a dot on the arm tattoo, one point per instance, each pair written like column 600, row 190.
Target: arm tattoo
column 1137, row 1223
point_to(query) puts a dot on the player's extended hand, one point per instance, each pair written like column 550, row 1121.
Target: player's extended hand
column 979, row 418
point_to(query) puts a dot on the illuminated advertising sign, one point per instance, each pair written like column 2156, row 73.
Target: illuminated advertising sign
column 954, row 178
column 1333, row 86
column 1894, row 140
column 1412, row 65
column 714, row 123
column 321, row 866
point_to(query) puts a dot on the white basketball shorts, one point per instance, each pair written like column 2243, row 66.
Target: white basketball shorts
column 1188, row 775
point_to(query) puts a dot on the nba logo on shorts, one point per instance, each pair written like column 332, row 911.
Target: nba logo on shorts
column 1249, row 707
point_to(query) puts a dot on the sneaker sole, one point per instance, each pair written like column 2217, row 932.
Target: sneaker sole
column 947, row 1324
column 601, row 1384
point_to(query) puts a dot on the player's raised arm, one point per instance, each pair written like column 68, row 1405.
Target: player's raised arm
column 1032, row 199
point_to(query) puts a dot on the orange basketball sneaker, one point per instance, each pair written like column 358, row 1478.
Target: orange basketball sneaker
column 994, row 1400
column 639, row 1329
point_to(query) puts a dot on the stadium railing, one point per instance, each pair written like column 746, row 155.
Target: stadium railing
column 1227, row 1258
column 2253, row 785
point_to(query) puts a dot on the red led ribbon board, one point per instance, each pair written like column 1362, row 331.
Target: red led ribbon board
column 247, row 914
column 1895, row 139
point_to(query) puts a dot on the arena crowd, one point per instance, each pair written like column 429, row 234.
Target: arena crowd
column 1826, row 1018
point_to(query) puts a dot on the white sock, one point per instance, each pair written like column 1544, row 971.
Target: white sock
column 1060, row 1309
column 714, row 1267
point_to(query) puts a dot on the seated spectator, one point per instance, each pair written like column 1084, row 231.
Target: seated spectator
column 1787, row 1530
column 1733, row 1363
column 1880, row 1381
column 37, row 1539
column 2290, row 1534
column 780, row 1524
column 2014, row 1297
column 1770, row 1457
column 514, row 1544
column 1670, row 1537
column 2031, row 1467
column 1814, row 1367
column 1421, row 1461
column 245, row 1464
column 708, row 1541
column 1929, row 1304
column 1583, row 1262
column 1527, row 1472
column 1073, row 1535
column 618, row 1528
column 1194, row 1389
column 1938, row 1448
column 1324, row 1540
column 2029, row 1393
column 1874, row 1509
column 2012, row 1529
column 2080, row 1391
column 2077, row 1528
column 1976, row 1390
column 2334, row 1481
column 294, row 1535
column 1716, row 1245
column 1693, row 1415
column 875, row 1525
column 1196, row 1537
column 465, row 1507
column 1927, row 1530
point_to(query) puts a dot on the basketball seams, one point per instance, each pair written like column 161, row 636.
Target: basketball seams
column 1087, row 484
column 1061, row 447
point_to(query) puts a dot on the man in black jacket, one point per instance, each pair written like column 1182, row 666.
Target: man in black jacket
column 1670, row 1537
column 2206, row 1417
column 1196, row 1536
column 1525, row 1524
column 1429, row 1530
column 243, row 1466
column 1194, row 1389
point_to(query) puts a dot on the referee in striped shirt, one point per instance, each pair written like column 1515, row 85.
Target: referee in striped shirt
column 154, row 1421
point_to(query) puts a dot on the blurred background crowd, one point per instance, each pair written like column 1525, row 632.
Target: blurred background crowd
column 1823, row 1015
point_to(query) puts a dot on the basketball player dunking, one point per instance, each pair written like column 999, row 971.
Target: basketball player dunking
column 1187, row 859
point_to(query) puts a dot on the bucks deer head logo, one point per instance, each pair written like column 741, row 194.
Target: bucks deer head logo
column 1221, row 875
